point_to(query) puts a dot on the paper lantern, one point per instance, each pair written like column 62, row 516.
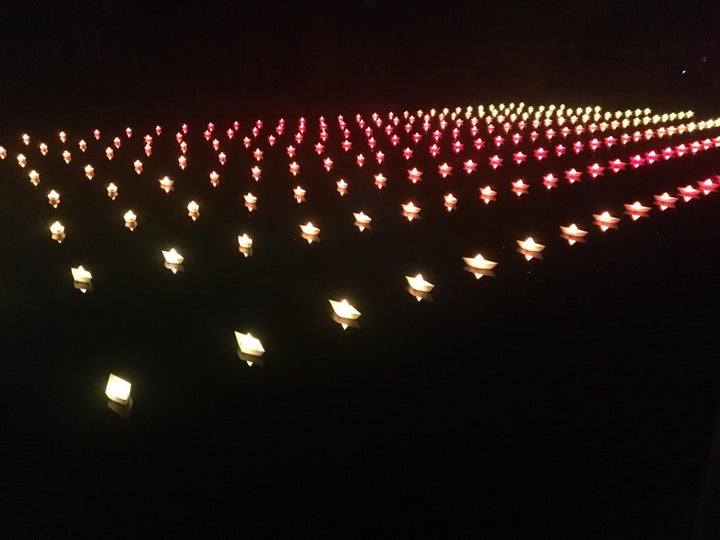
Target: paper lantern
column 166, row 184
column 193, row 209
column 112, row 191
column 450, row 202
column 245, row 244
column 410, row 211
column 82, row 145
column 22, row 160
column 572, row 233
column 418, row 283
column 688, row 192
column 43, row 149
column 345, row 311
column 118, row 390
column 550, row 181
column 487, row 194
column 82, row 278
column 636, row 210
column 57, row 232
column 310, row 232
column 415, row 175
column 572, row 175
column 89, row 172
column 605, row 221
column 470, row 166
column 519, row 157
column 130, row 220
column 478, row 262
column 249, row 345
column 665, row 201
column 34, row 177
column 530, row 248
column 380, row 180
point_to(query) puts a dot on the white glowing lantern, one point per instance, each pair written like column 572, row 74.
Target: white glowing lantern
column 309, row 229
column 636, row 210
column 294, row 168
column 25, row 139
column 82, row 145
column 130, row 220
column 173, row 260
column 89, row 172
column 214, row 178
column 222, row 158
column 22, row 160
column 193, row 209
column 82, row 278
column 96, row 134
column 530, row 248
column 362, row 220
column 299, row 194
column 249, row 345
column 410, row 211
column 688, row 192
column 487, row 194
column 345, row 312
column 572, row 233
column 450, row 201
column 605, row 221
column 57, row 232
column 480, row 264
column 245, row 244
column 342, row 187
column 418, row 283
column 43, row 149
column 182, row 162
column 118, row 390
column 63, row 137
column 109, row 153
column 166, row 184
column 250, row 198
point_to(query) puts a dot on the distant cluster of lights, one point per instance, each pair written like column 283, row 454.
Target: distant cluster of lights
column 505, row 126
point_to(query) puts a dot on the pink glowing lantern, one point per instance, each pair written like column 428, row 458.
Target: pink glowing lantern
column 681, row 150
column 487, row 194
column 434, row 150
column 594, row 144
column 616, row 165
column 665, row 201
column 707, row 186
column 416, row 137
column 346, row 145
column 572, row 175
column 271, row 140
column 495, row 161
column 138, row 166
column 637, row 160
column 625, row 138
column 407, row 153
column 595, row 170
column 207, row 135
column 410, row 211
column 450, row 202
column 112, row 191
column 215, row 144
column 534, row 136
column 247, row 141
column 519, row 157
column 184, row 128
column 516, row 138
column 499, row 140
column 688, row 192
column 222, row 158
column 540, row 153
column 258, row 154
column 636, row 210
column 148, row 150
column 457, row 147
column 299, row 194
column 158, row 130
column 182, row 162
column 478, row 143
column 651, row 157
column 610, row 141
column 96, row 134
column 379, row 157
column 470, row 166
column 117, row 142
column 328, row 164
column 178, row 137
column 342, row 187
column 256, row 173
column 255, row 131
column 605, row 221
column 519, row 187
column 299, row 138
column 380, row 180
column 294, row 168
column 577, row 147
column 695, row 147
column 565, row 131
column 445, row 170
column 183, row 147
column 372, row 143
column 550, row 181
column 559, row 150
column 319, row 148
column 414, row 175
column 109, row 153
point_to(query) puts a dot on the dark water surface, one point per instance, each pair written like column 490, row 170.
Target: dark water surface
column 573, row 396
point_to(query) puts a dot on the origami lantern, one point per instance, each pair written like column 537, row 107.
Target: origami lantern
column 166, row 184
column 665, row 201
column 572, row 233
column 479, row 263
column 245, row 244
column 605, row 221
column 89, row 172
column 193, row 209
column 57, row 232
column 342, row 187
column 34, row 177
column 540, row 153
column 450, row 201
column 138, row 166
column 118, row 390
column 519, row 157
column 414, row 175
column 595, row 170
column 112, row 191
column 214, row 179
column 96, row 134
column 529, row 248
column 419, row 284
column 636, row 210
column 410, row 211
column 22, row 160
column 250, row 346
column 470, row 166
column 182, row 162
column 63, row 137
column 444, row 170
column 495, row 161
column 559, row 150
column 616, row 165
column 173, row 260
column 82, row 145
column 43, row 149
column 688, row 192
column 550, row 181
column 310, row 232
column 407, row 153
column 380, row 180
column 487, row 194
column 82, row 278
column 328, row 164
column 345, row 312
column 256, row 173
column 130, row 220
column 362, row 220
column 572, row 175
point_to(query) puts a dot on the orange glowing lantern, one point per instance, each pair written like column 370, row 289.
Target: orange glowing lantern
column 410, row 211
column 166, row 184
column 605, row 221
column 572, row 175
column 572, row 233
column 529, row 248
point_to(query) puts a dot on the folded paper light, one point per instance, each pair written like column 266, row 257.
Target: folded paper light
column 82, row 278
column 118, row 390
column 418, row 283
column 530, row 248
column 53, row 198
column 173, row 257
column 572, row 233
column 245, row 244
column 57, row 232
column 166, row 184
column 193, row 209
column 309, row 230
column 479, row 262
column 112, row 190
column 89, row 172
column 605, row 221
column 345, row 312
column 130, row 220
column 249, row 345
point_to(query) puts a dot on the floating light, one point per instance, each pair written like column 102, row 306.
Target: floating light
column 57, row 232
column 96, row 134
column 89, row 172
column 572, row 175
column 310, row 232
column 470, row 166
column 415, row 175
column 117, row 142
column 342, row 187
column 63, row 137
column 182, row 162
column 112, row 191
column 345, row 311
column 665, row 201
column 245, row 244
column 22, row 160
column 410, row 211
column 173, row 260
column 530, row 248
column 616, row 165
column 379, row 157
column 450, row 202
column 148, row 150
column 249, row 345
column 250, row 198
column 222, row 158
column 82, row 145
column 636, row 210
column 479, row 264
column 380, row 180
column 519, row 187
column 43, row 149
column 328, row 164
column 595, row 170
column 118, row 390
column 256, row 173
column 560, row 150
column 166, row 184
column 407, row 153
column 138, row 166
column 540, row 153
column 487, row 194
column 34, row 177
column 605, row 221
column 294, row 168
column 688, row 192
column 419, row 284
column 299, row 194
column 82, row 278
column 193, row 209
column 550, row 181
column 572, row 233
column 519, row 157
column 707, row 186
column 130, row 220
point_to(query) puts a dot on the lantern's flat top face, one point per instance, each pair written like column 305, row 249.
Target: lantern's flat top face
column 117, row 389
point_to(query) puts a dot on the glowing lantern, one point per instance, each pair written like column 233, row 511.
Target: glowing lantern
column 688, row 192
column 328, row 164
column 444, row 170
column 130, row 220
column 707, row 186
column 487, row 194
column 148, row 150
column 310, row 232
column 319, row 148
column 256, row 173
column 89, row 172
column 550, row 181
column 434, row 150
column 346, row 145
column 96, row 134
column 616, row 165
column 57, row 232
column 610, row 141
column 636, row 210
column 22, row 160
column 112, row 190
column 128, row 132
column 419, row 284
column 410, row 211
column 342, row 187
column 182, row 162
column 258, row 154
column 222, row 158
column 117, row 142
column 519, row 157
column 3, row 153
column 637, row 160
column 572, row 175
column 193, row 209
column 82, row 278
column 540, row 153
column 245, row 244
column 173, row 260
column 166, row 184
column 519, row 187
column 63, row 137
column 450, row 201
column 118, row 390
column 470, row 166
column 43, row 149
column 595, row 170
column 479, row 266
column 380, row 180
column 407, row 153
column 82, row 145
column 605, row 221
column 360, row 160
column 34, row 177
column 415, row 175
column 572, row 233
column 138, row 166
column 345, row 312
column 294, row 168
column 495, row 161
column 362, row 220
column 529, row 248
column 250, row 348
column 183, row 147
column 478, row 143
column 25, row 139
column 665, row 201
column 680, row 150
column 380, row 157
column 158, row 130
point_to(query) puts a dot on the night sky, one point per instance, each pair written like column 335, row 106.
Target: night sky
column 214, row 56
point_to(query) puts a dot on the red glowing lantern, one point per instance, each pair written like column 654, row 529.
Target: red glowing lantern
column 540, row 153
column 595, row 170
column 445, row 170
column 407, row 153
column 572, row 175
column 519, row 157
column 470, row 166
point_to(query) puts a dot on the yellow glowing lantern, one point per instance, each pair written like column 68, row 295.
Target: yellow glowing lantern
column 34, row 177
column 67, row 157
column 118, row 390
column 249, row 345
column 418, row 283
column 478, row 262
column 22, row 160
column 309, row 229
column 53, row 198
column 572, row 233
column 130, row 220
column 530, row 248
